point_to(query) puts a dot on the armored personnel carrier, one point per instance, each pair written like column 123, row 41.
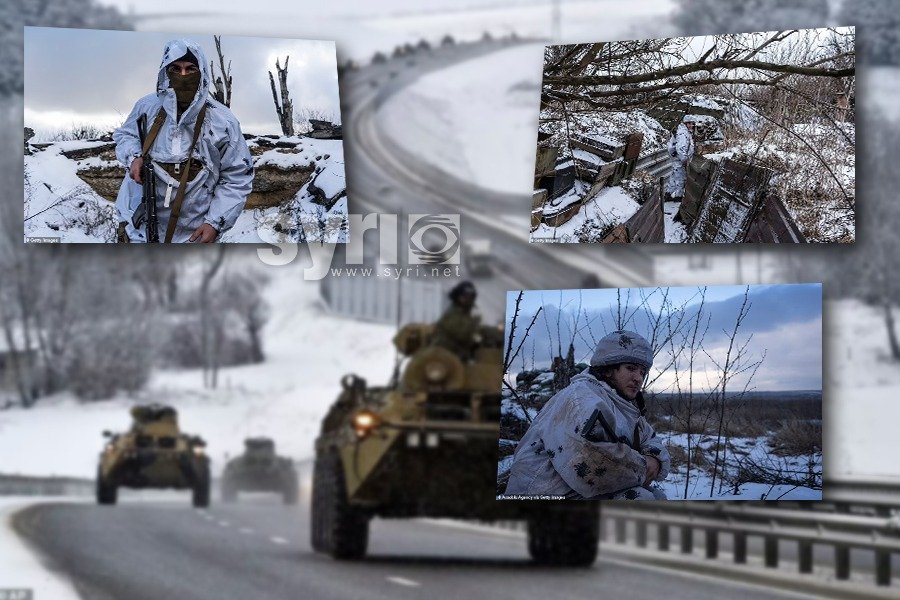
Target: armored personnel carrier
column 426, row 445
column 259, row 469
column 153, row 454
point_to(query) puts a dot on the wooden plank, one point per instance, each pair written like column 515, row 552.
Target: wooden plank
column 647, row 225
column 546, row 160
column 699, row 175
column 633, row 145
column 597, row 146
column 773, row 225
column 619, row 235
column 725, row 212
column 564, row 216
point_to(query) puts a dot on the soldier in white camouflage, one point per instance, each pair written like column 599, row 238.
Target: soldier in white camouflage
column 591, row 440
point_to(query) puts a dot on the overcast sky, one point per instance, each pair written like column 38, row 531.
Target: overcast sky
column 94, row 77
column 785, row 322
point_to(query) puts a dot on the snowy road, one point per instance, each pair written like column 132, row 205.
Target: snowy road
column 259, row 549
column 384, row 176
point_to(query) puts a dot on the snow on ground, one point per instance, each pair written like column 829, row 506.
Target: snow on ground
column 21, row 568
column 756, row 449
column 861, row 410
column 59, row 204
column 362, row 29
column 476, row 119
column 675, row 232
column 611, row 206
column 279, row 224
column 609, row 126
column 307, row 350
column 882, row 85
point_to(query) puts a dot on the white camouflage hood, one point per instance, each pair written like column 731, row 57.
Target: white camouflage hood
column 173, row 51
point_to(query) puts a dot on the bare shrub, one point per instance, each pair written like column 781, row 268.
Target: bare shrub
column 797, row 438
column 110, row 358
column 678, row 456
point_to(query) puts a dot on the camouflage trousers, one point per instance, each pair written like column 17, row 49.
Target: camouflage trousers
column 641, row 493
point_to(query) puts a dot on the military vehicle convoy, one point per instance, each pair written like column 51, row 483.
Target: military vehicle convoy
column 154, row 453
column 259, row 469
column 426, row 445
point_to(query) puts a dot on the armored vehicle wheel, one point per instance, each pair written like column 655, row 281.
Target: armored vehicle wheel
column 338, row 528
column 200, row 498
column 564, row 539
column 107, row 493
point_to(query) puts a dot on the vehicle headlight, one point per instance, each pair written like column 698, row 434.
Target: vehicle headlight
column 364, row 422
column 436, row 372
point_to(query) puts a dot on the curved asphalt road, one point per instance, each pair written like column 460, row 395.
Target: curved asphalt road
column 258, row 549
column 385, row 177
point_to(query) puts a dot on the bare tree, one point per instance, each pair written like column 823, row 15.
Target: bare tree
column 242, row 294
column 224, row 82
column 284, row 107
column 210, row 321
column 737, row 361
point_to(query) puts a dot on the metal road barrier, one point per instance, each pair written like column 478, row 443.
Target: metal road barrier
column 773, row 523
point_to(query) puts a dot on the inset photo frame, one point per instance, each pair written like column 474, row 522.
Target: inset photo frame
column 237, row 139
column 731, row 138
column 678, row 393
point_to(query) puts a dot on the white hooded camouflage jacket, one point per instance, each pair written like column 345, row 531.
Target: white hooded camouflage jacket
column 681, row 150
column 555, row 458
column 219, row 191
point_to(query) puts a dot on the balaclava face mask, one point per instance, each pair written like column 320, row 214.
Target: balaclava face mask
column 185, row 86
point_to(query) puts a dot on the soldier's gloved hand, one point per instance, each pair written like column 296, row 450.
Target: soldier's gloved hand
column 135, row 169
column 653, row 467
column 204, row 234
column 122, row 234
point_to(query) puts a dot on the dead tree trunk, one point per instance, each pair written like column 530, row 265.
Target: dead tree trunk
column 210, row 324
column 284, row 109
column 223, row 83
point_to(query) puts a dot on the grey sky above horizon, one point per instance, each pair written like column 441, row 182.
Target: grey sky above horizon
column 100, row 74
column 784, row 321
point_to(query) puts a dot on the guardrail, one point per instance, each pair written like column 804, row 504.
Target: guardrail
column 843, row 532
column 855, row 515
column 24, row 485
column 882, row 495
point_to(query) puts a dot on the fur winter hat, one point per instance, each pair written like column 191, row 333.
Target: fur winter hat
column 622, row 347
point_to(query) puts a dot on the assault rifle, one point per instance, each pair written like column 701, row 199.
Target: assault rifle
column 147, row 210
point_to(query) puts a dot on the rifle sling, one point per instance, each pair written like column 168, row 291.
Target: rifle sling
column 182, row 185
column 154, row 131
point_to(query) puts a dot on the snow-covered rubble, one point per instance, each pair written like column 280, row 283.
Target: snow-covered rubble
column 299, row 192
column 610, row 207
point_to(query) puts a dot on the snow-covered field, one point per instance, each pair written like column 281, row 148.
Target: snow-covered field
column 757, row 450
column 307, row 350
column 476, row 120
column 860, row 408
column 21, row 568
column 363, row 29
